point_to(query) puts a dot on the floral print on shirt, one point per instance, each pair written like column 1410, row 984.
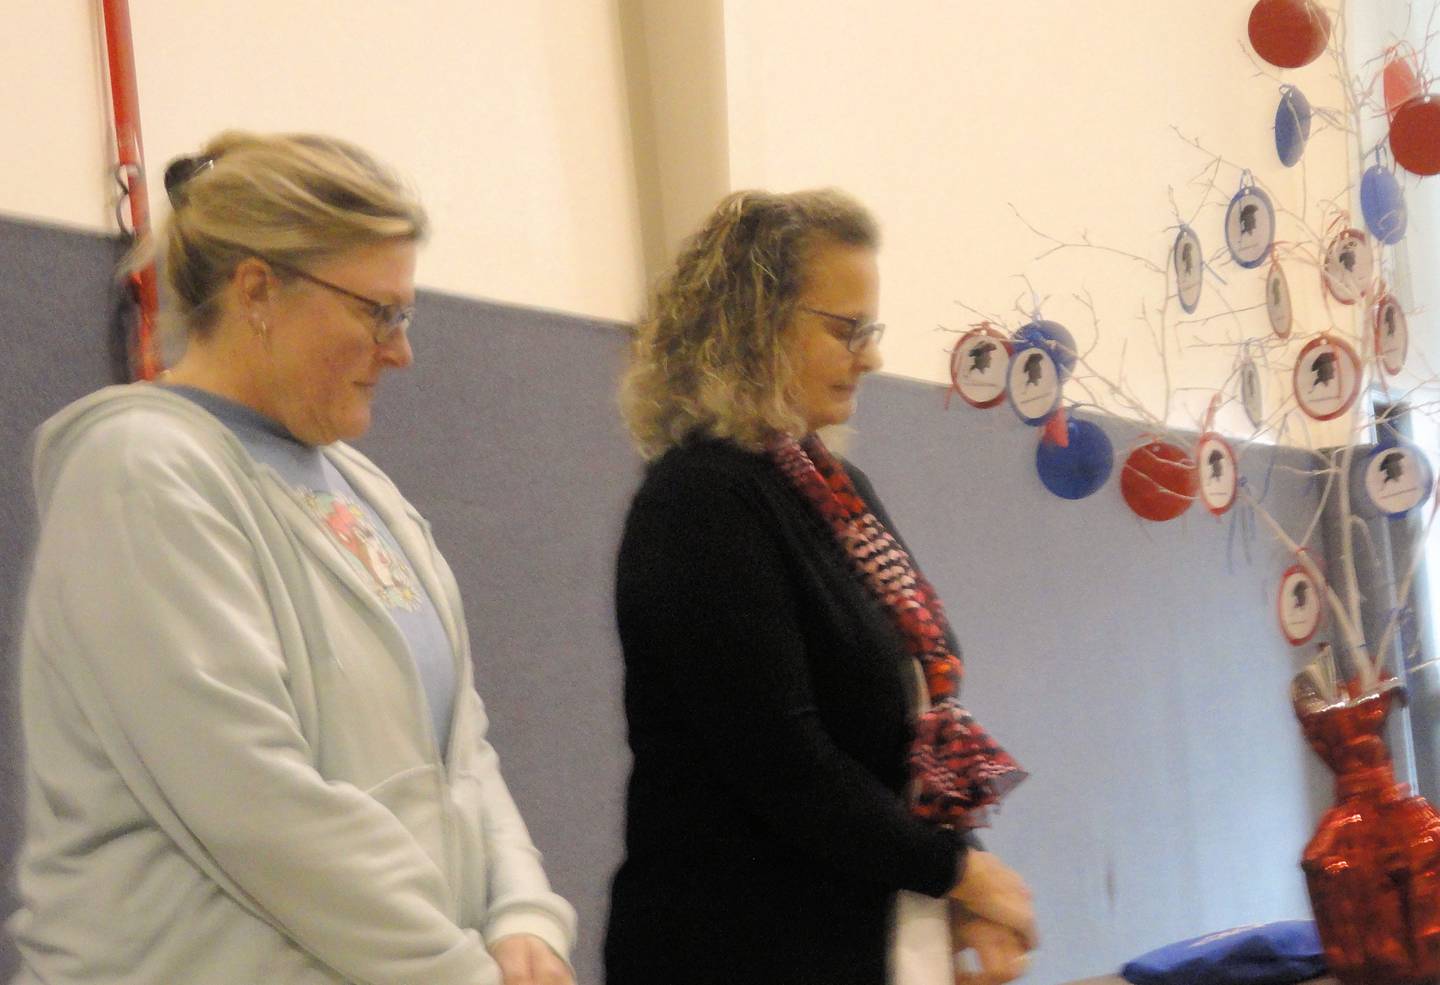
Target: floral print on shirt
column 376, row 560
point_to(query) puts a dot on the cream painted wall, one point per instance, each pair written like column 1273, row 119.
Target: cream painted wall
column 515, row 123
column 57, row 155
column 941, row 116
column 510, row 119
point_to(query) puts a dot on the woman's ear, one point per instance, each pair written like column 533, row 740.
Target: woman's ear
column 254, row 284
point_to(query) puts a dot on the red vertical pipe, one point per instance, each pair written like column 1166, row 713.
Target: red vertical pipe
column 130, row 157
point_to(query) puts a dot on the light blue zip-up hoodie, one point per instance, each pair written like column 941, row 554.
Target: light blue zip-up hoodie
column 231, row 774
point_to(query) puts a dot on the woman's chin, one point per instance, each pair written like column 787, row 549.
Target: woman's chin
column 839, row 414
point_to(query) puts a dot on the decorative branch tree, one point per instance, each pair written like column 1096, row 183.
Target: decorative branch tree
column 1374, row 866
column 1363, row 335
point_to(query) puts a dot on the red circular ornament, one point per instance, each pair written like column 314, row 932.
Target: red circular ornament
column 1159, row 481
column 1415, row 135
column 1400, row 80
column 1289, row 33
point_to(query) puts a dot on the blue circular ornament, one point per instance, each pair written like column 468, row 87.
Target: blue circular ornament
column 1383, row 204
column 1292, row 125
column 1080, row 468
column 1054, row 338
column 1250, row 226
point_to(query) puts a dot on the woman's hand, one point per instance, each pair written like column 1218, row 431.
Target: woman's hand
column 994, row 891
column 525, row 959
column 1000, row 950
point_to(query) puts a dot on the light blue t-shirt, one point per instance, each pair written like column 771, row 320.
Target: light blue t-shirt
column 359, row 531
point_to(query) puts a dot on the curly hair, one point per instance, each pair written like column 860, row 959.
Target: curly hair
column 710, row 359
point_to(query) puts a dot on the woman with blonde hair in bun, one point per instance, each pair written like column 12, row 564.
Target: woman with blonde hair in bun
column 255, row 752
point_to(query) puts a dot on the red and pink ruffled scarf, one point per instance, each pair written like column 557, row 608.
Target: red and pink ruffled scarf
column 957, row 771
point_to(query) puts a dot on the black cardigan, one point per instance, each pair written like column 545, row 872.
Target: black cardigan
column 769, row 700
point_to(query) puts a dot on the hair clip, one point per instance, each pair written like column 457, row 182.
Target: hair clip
column 180, row 172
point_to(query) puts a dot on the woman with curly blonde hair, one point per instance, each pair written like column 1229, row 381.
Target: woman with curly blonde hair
column 804, row 778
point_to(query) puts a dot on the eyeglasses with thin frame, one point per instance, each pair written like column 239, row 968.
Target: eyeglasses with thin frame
column 860, row 334
column 390, row 319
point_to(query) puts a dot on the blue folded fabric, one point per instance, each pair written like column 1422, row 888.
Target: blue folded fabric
column 1260, row 954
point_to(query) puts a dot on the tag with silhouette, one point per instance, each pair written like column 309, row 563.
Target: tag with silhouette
column 1348, row 269
column 1033, row 384
column 1252, row 393
column 1396, row 478
column 1189, row 268
column 1277, row 302
column 1219, row 472
column 1299, row 605
column 1391, row 332
column 1326, row 377
column 978, row 366
column 1249, row 225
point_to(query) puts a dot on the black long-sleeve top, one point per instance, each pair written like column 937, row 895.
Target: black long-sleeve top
column 769, row 699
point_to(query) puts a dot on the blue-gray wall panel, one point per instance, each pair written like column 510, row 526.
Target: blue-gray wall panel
column 506, row 434
column 1135, row 668
column 56, row 298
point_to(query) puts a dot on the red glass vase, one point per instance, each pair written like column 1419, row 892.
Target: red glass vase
column 1373, row 867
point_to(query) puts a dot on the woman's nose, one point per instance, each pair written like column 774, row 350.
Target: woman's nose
column 869, row 356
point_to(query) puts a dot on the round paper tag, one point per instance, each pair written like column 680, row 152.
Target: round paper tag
column 1252, row 396
column 1189, row 268
column 1054, row 338
column 1349, row 266
column 1277, row 302
column 1397, row 479
column 1326, row 377
column 1299, row 605
column 1219, row 472
column 1292, row 125
column 1033, row 384
column 1392, row 334
column 1382, row 202
column 1250, row 226
column 977, row 366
